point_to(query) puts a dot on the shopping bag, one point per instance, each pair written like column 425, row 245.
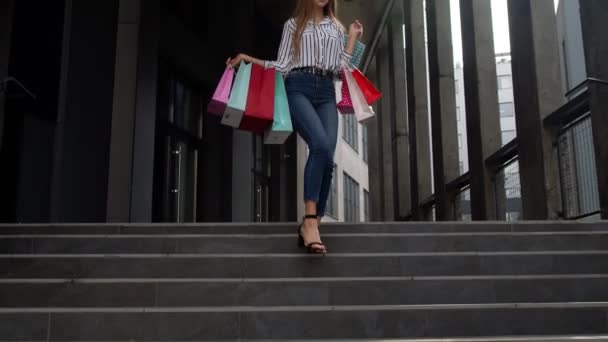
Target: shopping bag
column 358, row 52
column 259, row 110
column 281, row 125
column 345, row 104
column 367, row 88
column 238, row 97
column 363, row 111
column 220, row 99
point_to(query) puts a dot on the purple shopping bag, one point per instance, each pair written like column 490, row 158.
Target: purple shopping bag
column 221, row 96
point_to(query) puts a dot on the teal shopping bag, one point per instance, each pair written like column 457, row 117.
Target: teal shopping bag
column 358, row 52
column 281, row 126
column 238, row 97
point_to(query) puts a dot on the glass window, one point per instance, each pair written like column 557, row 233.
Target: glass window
column 351, row 199
column 507, row 109
column 364, row 142
column 505, row 82
column 459, row 141
column 507, row 136
column 458, row 113
column 350, row 131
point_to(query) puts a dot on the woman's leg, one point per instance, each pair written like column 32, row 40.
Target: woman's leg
column 328, row 115
column 307, row 123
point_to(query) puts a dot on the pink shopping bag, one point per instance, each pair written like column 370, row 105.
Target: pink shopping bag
column 345, row 106
column 219, row 102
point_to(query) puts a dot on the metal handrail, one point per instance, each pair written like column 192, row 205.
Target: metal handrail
column 503, row 156
column 369, row 54
column 459, row 183
column 4, row 86
column 584, row 83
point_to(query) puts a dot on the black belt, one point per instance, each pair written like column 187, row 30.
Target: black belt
column 317, row 72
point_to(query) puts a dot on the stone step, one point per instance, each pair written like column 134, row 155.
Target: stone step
column 282, row 228
column 302, row 322
column 286, row 243
column 304, row 291
column 577, row 338
column 302, row 265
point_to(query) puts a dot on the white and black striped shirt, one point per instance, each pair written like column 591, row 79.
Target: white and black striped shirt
column 322, row 47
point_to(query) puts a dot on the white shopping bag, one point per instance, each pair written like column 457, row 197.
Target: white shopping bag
column 363, row 111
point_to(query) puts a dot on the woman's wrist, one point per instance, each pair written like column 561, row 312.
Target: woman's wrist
column 350, row 46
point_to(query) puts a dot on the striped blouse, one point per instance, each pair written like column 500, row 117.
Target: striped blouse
column 322, row 47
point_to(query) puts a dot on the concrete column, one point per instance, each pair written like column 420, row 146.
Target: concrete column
column 594, row 27
column 443, row 105
column 385, row 127
column 243, row 160
column 537, row 93
column 481, row 100
column 145, row 112
column 6, row 26
column 130, row 181
column 123, row 112
column 416, row 73
column 83, row 130
column 401, row 143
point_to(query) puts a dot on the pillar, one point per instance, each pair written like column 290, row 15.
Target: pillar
column 385, row 127
column 401, row 143
column 537, row 93
column 481, row 100
column 6, row 25
column 417, row 104
column 84, row 120
column 443, row 105
column 130, row 181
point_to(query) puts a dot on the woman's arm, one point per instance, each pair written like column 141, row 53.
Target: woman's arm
column 354, row 32
column 241, row 57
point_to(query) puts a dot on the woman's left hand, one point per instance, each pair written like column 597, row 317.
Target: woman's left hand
column 356, row 29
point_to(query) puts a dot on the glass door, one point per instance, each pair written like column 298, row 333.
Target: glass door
column 179, row 131
column 261, row 180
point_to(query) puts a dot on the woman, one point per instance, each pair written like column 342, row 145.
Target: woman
column 311, row 54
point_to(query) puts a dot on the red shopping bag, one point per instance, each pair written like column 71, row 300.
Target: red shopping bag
column 259, row 111
column 367, row 88
column 346, row 105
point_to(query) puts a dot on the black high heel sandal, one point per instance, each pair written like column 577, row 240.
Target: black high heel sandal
column 312, row 247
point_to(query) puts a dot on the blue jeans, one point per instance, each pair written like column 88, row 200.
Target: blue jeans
column 312, row 102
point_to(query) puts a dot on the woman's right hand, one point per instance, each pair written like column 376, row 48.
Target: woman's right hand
column 236, row 61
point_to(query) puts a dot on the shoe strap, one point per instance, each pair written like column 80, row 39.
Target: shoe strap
column 310, row 217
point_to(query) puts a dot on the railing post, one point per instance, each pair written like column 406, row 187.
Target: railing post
column 594, row 14
column 537, row 93
column 481, row 99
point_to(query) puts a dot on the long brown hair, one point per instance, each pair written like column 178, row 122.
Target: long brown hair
column 303, row 13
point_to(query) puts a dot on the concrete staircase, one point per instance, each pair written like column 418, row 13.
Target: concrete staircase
column 445, row 281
